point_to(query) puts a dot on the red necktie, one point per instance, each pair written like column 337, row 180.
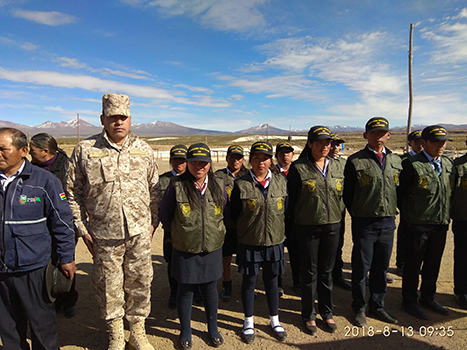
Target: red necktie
column 380, row 157
column 264, row 182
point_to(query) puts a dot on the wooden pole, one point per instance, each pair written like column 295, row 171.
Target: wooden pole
column 409, row 121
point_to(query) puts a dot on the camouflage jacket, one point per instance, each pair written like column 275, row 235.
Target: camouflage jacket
column 108, row 187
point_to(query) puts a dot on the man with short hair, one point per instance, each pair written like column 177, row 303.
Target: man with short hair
column 34, row 214
column 371, row 178
column 424, row 198
column 114, row 192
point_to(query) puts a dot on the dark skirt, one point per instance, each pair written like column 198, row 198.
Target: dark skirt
column 250, row 258
column 199, row 268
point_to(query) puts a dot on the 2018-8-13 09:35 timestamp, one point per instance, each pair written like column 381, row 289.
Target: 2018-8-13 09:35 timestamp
column 409, row 331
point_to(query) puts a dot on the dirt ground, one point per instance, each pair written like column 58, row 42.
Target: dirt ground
column 87, row 331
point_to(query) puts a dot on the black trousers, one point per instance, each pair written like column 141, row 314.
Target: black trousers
column 459, row 228
column 339, row 263
column 401, row 243
column 318, row 246
column 371, row 252
column 292, row 245
column 23, row 302
column 425, row 245
column 185, row 294
column 167, row 251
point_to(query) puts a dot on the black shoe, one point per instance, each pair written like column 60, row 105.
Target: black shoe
column 434, row 306
column 360, row 319
column 462, row 300
column 281, row 292
column 280, row 335
column 389, row 279
column 247, row 338
column 217, row 341
column 255, row 296
column 70, row 312
column 415, row 311
column 382, row 315
column 331, row 327
column 226, row 290
column 341, row 282
column 185, row 344
column 310, row 329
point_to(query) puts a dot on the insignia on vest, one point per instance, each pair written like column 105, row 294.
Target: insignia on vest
column 339, row 184
column 365, row 179
column 228, row 189
column 251, row 204
column 396, row 177
column 311, row 185
column 423, row 182
column 280, row 203
column 217, row 209
column 464, row 183
column 185, row 207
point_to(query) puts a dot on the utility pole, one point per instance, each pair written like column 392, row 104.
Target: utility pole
column 409, row 121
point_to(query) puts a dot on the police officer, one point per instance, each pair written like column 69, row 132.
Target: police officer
column 178, row 163
column 371, row 179
column 234, row 169
column 416, row 147
column 424, row 198
column 459, row 228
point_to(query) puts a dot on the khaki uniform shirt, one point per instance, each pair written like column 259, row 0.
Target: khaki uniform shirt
column 113, row 191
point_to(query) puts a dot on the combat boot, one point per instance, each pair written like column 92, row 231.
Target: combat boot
column 116, row 334
column 138, row 340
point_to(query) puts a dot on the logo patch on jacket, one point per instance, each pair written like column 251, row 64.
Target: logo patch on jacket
column 311, row 185
column 23, row 199
column 251, row 204
column 423, row 182
column 62, row 196
column 280, row 203
column 186, row 209
column 339, row 184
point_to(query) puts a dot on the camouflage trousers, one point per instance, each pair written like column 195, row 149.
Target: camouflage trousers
column 122, row 277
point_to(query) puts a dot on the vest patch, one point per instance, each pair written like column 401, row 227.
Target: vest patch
column 23, row 199
column 251, row 204
column 339, row 184
column 396, row 177
column 311, row 185
column 280, row 203
column 423, row 182
column 186, row 209
column 217, row 209
column 228, row 189
column 365, row 179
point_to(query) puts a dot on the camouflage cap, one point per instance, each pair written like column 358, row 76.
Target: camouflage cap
column 178, row 151
column 284, row 145
column 414, row 135
column 435, row 133
column 235, row 149
column 198, row 152
column 377, row 123
column 261, row 147
column 318, row 133
column 115, row 104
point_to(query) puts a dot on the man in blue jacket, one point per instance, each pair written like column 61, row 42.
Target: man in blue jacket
column 34, row 213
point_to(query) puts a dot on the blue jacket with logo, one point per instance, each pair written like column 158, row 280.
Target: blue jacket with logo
column 34, row 214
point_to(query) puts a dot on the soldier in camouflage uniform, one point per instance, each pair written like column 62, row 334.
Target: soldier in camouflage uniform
column 113, row 191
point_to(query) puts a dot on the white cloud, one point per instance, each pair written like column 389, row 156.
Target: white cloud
column 90, row 83
column 28, row 46
column 238, row 15
column 52, row 18
column 25, row 46
column 195, row 88
column 449, row 39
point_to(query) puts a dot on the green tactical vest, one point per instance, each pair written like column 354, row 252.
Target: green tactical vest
column 375, row 192
column 196, row 230
column 428, row 201
column 261, row 222
column 229, row 184
column 164, row 181
column 459, row 203
column 320, row 200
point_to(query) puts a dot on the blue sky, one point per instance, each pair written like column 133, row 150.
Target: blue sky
column 232, row 64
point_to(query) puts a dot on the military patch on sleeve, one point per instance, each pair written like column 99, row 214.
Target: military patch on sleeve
column 62, row 196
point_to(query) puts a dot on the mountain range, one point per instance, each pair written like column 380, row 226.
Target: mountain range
column 159, row 128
